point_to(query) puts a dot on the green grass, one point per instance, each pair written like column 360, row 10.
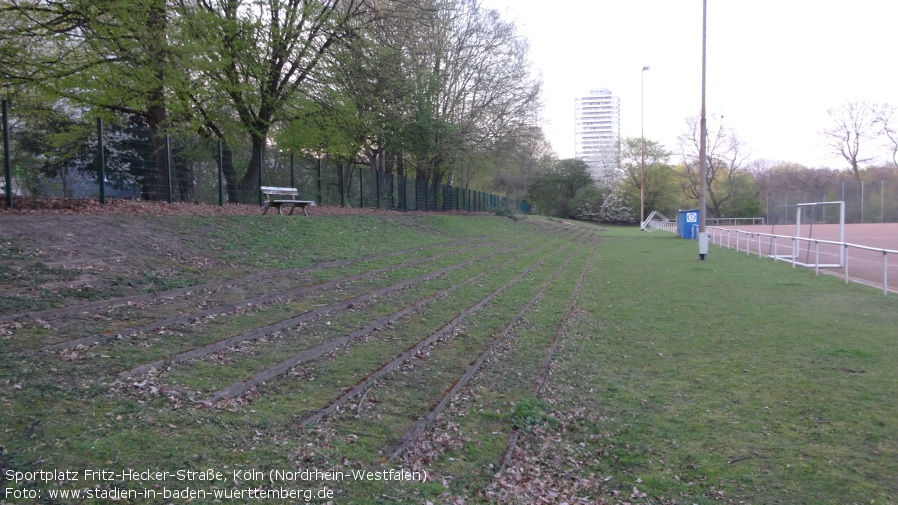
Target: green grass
column 730, row 380
column 735, row 374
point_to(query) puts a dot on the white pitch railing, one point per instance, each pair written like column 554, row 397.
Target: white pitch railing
column 751, row 242
column 657, row 221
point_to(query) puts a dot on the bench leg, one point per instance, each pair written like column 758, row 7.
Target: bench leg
column 304, row 213
column 292, row 208
column 280, row 211
column 265, row 208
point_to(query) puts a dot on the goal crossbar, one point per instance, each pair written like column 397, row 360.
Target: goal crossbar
column 798, row 208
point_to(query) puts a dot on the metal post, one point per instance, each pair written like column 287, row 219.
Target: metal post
column 292, row 172
column 842, row 256
column 220, row 170
column 168, row 192
column 816, row 257
column 340, row 172
column 703, row 211
column 885, row 272
column 101, row 177
column 642, row 164
column 7, row 163
column 361, row 191
column 261, row 164
column 320, row 197
column 845, row 254
column 862, row 201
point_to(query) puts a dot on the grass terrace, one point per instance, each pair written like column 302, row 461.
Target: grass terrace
column 506, row 361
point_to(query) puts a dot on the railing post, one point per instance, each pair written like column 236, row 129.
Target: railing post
column 816, row 257
column 885, row 272
column 794, row 252
column 845, row 250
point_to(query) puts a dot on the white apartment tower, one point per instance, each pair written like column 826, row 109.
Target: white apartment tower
column 596, row 132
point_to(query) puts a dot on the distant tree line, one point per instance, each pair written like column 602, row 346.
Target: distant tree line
column 647, row 176
column 438, row 90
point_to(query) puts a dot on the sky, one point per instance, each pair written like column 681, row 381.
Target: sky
column 774, row 67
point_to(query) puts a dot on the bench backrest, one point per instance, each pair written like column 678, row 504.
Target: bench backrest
column 271, row 190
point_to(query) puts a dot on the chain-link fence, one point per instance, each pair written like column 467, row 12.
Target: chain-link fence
column 123, row 162
column 865, row 202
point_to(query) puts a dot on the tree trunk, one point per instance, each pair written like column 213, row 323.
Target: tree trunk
column 248, row 188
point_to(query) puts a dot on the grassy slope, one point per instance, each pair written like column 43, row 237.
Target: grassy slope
column 735, row 376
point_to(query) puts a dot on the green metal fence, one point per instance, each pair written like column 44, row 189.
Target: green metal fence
column 193, row 169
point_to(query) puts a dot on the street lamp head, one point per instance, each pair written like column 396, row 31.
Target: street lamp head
column 645, row 68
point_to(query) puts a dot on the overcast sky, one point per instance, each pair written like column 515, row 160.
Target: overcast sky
column 774, row 67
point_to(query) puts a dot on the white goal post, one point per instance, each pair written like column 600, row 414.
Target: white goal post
column 796, row 246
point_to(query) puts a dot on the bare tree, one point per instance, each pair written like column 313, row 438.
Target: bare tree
column 472, row 84
column 726, row 157
column 887, row 120
column 851, row 133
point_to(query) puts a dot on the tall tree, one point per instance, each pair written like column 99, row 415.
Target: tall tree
column 851, row 132
column 887, row 120
column 553, row 193
column 262, row 56
column 117, row 57
column 726, row 157
column 641, row 162
column 472, row 84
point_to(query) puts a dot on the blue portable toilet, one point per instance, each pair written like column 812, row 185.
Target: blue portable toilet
column 687, row 224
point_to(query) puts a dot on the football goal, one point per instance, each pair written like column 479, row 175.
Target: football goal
column 804, row 250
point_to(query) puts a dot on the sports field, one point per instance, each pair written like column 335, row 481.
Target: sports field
column 864, row 265
column 422, row 359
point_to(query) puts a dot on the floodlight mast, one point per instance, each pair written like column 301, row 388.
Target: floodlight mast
column 703, row 141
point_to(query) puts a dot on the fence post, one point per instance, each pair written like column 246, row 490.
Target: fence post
column 377, row 187
column 340, row 172
column 101, row 177
column 320, row 196
column 220, row 170
column 261, row 164
column 292, row 172
column 361, row 190
column 168, row 193
column 7, row 164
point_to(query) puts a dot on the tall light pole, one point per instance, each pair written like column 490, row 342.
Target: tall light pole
column 642, row 164
column 703, row 140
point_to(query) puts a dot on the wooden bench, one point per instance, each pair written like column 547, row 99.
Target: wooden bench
column 272, row 192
